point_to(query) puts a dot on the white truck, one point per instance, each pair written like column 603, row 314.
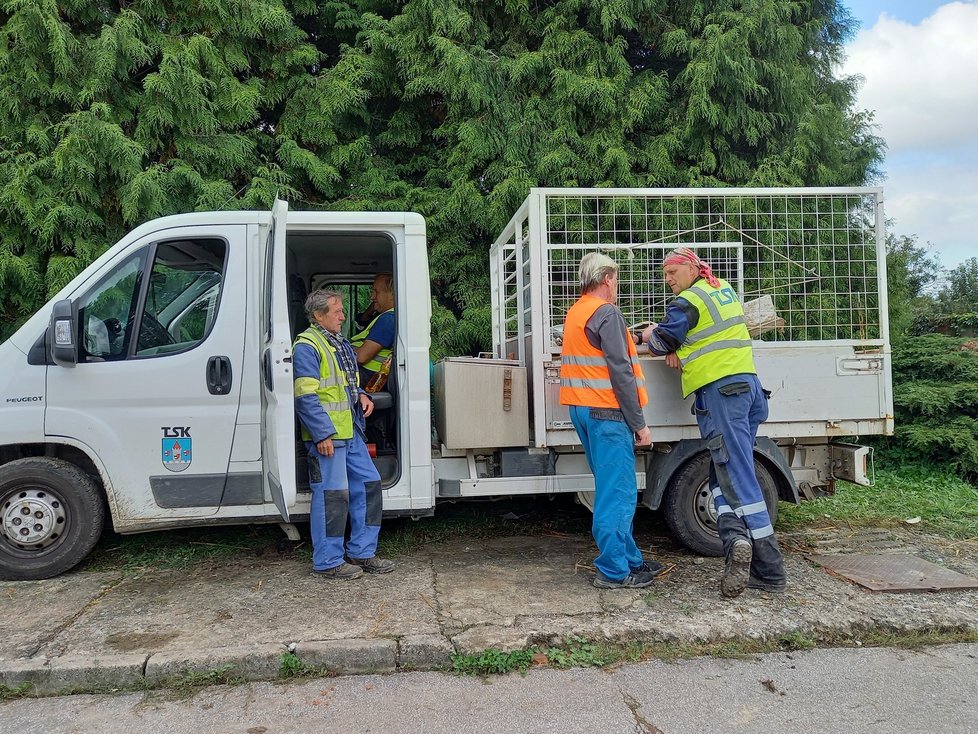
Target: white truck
column 156, row 387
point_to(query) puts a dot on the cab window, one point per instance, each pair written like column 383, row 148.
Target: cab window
column 168, row 307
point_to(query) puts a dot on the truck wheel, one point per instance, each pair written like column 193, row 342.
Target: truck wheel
column 51, row 516
column 689, row 510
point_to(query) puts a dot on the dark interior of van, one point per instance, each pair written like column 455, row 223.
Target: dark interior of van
column 346, row 262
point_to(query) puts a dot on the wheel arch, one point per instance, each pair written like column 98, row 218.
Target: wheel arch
column 662, row 465
column 73, row 452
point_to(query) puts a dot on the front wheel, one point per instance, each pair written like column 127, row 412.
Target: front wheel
column 689, row 510
column 51, row 516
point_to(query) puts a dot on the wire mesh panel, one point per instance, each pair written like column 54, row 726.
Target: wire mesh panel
column 815, row 253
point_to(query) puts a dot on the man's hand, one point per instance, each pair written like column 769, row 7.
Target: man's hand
column 367, row 404
column 672, row 360
column 647, row 334
column 643, row 437
column 325, row 447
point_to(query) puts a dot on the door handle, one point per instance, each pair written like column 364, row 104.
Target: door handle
column 219, row 375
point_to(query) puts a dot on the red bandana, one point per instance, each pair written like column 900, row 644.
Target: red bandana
column 686, row 256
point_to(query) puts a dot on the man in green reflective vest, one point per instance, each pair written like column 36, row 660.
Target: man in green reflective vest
column 332, row 409
column 705, row 335
column 375, row 343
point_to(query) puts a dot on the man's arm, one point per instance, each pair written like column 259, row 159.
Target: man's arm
column 305, row 365
column 606, row 331
column 670, row 333
column 381, row 336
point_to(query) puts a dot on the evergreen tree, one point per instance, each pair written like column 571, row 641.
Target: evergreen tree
column 910, row 269
column 454, row 108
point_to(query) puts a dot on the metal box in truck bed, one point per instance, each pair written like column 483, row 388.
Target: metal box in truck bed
column 480, row 403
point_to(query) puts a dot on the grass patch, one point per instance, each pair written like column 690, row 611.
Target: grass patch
column 176, row 549
column 492, row 661
column 191, row 681
column 580, row 653
column 8, row 693
column 916, row 640
column 291, row 667
column 946, row 504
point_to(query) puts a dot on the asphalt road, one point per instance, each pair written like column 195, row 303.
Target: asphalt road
column 837, row 690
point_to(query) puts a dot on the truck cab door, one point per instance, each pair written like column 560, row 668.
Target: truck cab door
column 278, row 424
column 155, row 390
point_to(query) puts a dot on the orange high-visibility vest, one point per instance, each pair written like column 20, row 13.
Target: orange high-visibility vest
column 584, row 375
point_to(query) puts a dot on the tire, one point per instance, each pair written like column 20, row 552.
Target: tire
column 688, row 505
column 67, row 511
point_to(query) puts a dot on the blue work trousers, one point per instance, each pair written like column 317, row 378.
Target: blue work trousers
column 728, row 412
column 609, row 446
column 344, row 485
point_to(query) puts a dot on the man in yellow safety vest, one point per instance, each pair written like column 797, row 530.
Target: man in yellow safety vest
column 375, row 343
column 332, row 410
column 705, row 335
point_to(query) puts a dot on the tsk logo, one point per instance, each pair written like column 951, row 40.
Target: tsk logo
column 177, row 447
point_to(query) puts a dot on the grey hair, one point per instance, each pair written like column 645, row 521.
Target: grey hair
column 593, row 269
column 318, row 301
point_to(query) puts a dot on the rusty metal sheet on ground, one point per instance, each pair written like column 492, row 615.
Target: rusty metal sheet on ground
column 895, row 572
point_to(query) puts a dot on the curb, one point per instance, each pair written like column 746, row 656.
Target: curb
column 42, row 676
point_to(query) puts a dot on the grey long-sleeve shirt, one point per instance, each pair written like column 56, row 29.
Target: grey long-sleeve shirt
column 606, row 330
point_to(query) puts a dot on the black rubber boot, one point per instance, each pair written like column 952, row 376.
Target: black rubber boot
column 767, row 566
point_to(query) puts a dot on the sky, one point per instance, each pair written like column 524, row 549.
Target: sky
column 919, row 64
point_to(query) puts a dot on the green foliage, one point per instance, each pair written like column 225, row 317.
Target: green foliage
column 958, row 294
column 910, row 269
column 955, row 324
column 192, row 680
column 492, row 661
column 117, row 113
column 935, row 389
column 946, row 504
column 8, row 693
column 291, row 666
column 575, row 652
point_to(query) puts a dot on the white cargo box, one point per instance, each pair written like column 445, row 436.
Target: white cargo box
column 481, row 403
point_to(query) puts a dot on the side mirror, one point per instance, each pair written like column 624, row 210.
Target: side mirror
column 63, row 333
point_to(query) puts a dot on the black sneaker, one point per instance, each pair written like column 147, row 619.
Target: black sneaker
column 343, row 572
column 373, row 565
column 736, row 571
column 651, row 567
column 773, row 588
column 634, row 580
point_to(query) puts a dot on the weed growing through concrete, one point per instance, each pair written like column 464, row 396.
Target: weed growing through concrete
column 192, row 680
column 492, row 661
column 291, row 666
column 797, row 641
column 8, row 693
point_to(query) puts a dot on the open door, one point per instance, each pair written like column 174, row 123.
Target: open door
column 278, row 437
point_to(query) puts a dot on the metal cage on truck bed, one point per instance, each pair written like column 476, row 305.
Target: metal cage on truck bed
column 812, row 259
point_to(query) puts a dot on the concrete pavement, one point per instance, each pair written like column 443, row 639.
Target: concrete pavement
column 856, row 691
column 109, row 630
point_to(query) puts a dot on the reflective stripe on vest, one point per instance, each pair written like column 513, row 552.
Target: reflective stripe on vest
column 584, row 375
column 357, row 341
column 330, row 388
column 720, row 345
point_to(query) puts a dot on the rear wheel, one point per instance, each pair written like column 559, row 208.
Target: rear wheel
column 51, row 516
column 689, row 510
